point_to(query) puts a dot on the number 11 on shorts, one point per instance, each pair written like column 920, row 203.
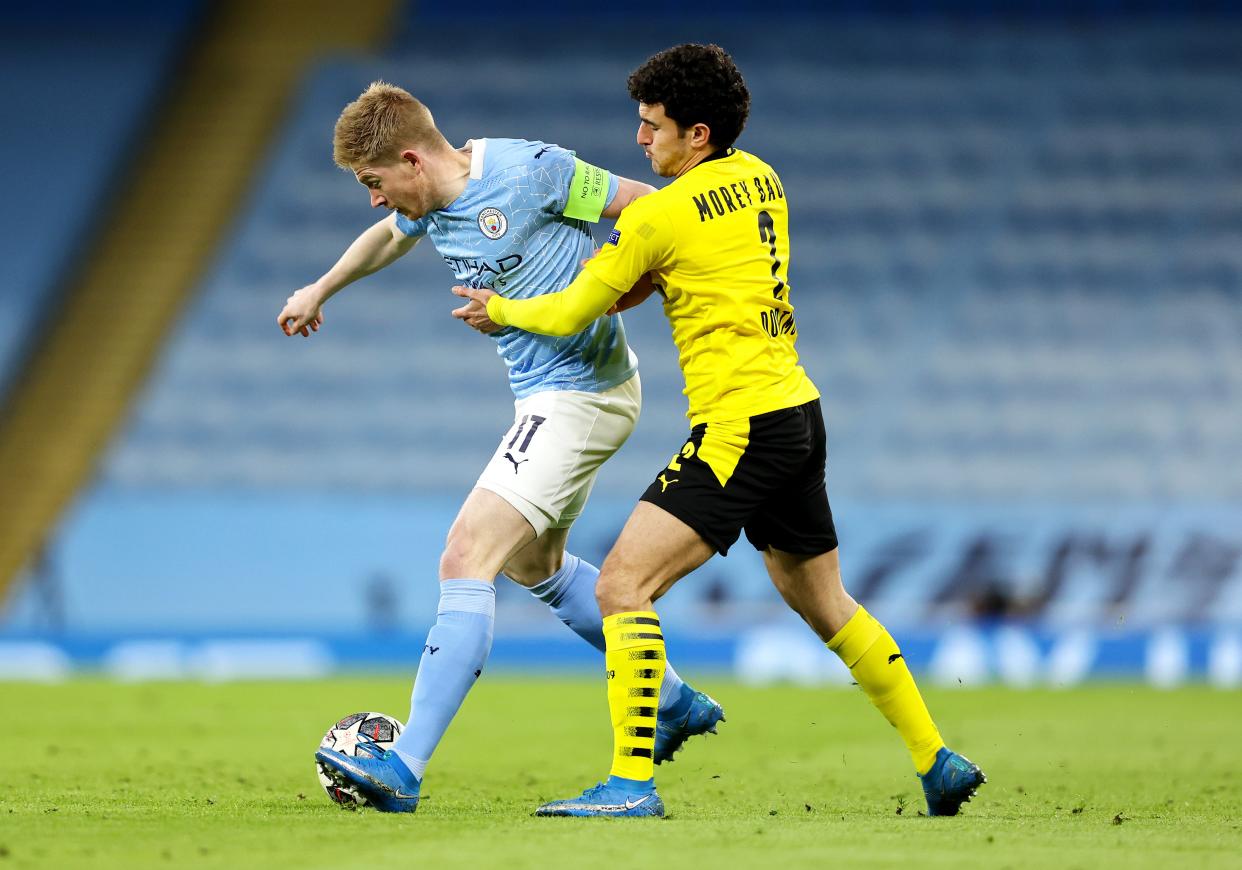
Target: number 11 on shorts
column 535, row 422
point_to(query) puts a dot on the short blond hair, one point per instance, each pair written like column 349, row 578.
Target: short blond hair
column 377, row 126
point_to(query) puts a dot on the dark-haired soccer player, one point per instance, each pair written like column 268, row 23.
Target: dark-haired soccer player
column 716, row 240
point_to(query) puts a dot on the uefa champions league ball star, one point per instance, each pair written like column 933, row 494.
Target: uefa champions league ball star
column 345, row 736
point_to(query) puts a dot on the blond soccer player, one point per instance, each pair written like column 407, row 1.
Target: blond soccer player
column 516, row 214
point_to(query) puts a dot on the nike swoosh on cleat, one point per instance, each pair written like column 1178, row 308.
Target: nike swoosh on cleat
column 630, row 804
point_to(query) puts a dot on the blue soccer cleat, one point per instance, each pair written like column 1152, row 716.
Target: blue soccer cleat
column 952, row 781
column 617, row 797
column 694, row 713
column 378, row 776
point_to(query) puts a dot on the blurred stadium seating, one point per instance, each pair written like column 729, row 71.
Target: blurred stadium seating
column 1016, row 278
column 77, row 84
column 1017, row 274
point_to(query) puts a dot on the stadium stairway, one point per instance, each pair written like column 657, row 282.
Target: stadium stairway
column 194, row 168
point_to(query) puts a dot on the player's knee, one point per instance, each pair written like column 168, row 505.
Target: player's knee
column 606, row 598
column 616, row 595
column 450, row 565
column 460, row 559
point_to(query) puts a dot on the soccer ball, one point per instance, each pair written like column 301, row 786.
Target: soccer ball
column 344, row 737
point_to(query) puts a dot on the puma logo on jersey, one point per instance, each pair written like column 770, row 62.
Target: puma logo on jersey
column 516, row 462
column 665, row 483
column 542, row 151
column 894, row 657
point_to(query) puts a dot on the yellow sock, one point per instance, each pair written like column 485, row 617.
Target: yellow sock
column 872, row 656
column 634, row 657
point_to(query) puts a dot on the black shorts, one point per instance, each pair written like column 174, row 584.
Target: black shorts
column 764, row 475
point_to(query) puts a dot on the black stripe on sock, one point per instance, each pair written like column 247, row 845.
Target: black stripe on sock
column 641, row 712
column 644, row 692
column 645, row 674
column 640, row 620
column 643, row 635
column 639, row 731
column 636, row 751
column 646, row 655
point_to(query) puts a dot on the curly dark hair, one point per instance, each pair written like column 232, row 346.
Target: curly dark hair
column 696, row 84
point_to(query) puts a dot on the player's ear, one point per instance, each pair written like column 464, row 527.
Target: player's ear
column 412, row 158
column 700, row 136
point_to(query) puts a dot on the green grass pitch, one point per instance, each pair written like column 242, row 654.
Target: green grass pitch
column 98, row 774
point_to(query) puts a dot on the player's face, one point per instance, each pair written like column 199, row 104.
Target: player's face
column 400, row 186
column 665, row 143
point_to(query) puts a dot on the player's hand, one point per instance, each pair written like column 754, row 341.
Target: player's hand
column 474, row 312
column 302, row 313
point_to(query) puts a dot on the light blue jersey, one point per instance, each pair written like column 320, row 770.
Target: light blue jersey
column 507, row 231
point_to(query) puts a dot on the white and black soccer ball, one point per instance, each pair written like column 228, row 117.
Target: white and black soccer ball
column 345, row 736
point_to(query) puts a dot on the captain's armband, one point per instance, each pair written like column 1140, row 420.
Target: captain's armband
column 588, row 192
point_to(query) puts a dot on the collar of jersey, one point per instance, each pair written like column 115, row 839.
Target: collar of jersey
column 715, row 155
column 478, row 147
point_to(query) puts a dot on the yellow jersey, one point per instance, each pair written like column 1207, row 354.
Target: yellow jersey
column 716, row 241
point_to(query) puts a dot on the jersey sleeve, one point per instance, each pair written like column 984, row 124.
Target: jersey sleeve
column 642, row 241
column 413, row 229
column 582, row 191
column 566, row 312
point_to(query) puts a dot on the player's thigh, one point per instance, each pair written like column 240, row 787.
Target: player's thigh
column 696, row 506
column 710, row 484
column 795, row 517
column 545, row 465
column 654, row 550
column 797, row 520
column 486, row 533
column 617, row 413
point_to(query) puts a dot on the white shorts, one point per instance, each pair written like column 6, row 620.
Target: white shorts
column 546, row 463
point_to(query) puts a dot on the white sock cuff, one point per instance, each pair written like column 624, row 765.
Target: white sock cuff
column 417, row 766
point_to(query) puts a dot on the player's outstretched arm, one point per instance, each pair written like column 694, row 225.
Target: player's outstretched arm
column 379, row 245
column 565, row 313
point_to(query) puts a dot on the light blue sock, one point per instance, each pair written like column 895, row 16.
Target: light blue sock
column 453, row 657
column 570, row 592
